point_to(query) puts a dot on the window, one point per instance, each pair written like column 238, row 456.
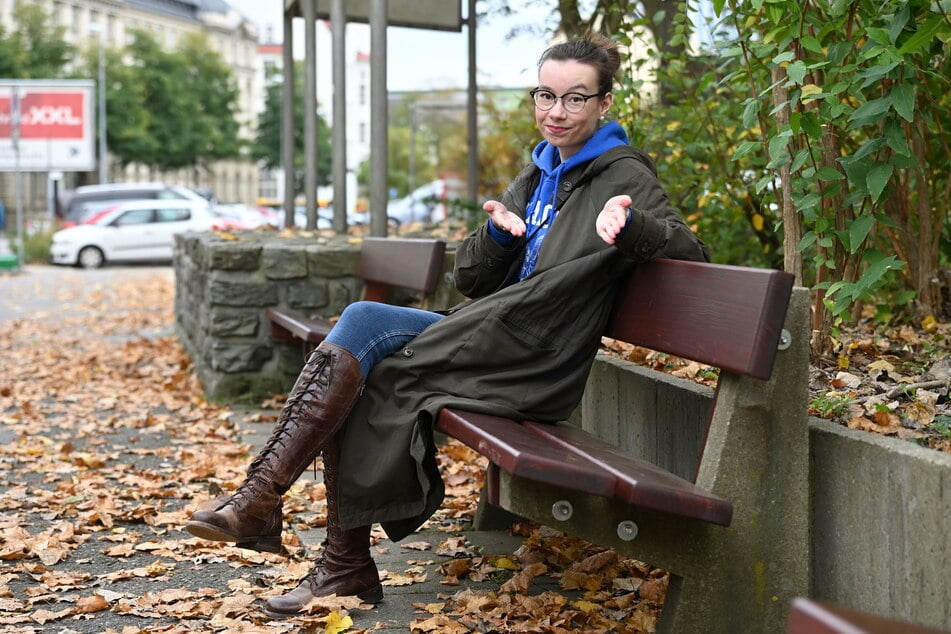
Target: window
column 134, row 217
column 172, row 215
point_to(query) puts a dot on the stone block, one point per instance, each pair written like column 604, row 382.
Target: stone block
column 234, row 256
column 233, row 322
column 323, row 261
column 310, row 294
column 342, row 292
column 232, row 357
column 283, row 261
column 244, row 290
column 191, row 246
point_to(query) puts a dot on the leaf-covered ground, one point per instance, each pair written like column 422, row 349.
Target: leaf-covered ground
column 107, row 445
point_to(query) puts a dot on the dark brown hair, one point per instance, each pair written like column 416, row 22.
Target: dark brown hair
column 595, row 50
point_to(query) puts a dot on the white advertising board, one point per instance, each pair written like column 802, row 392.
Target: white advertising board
column 56, row 128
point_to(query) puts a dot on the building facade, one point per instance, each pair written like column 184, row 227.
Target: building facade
column 234, row 37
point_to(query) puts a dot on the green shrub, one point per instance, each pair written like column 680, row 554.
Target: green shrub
column 36, row 246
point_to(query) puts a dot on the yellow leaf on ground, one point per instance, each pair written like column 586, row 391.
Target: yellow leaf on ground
column 337, row 623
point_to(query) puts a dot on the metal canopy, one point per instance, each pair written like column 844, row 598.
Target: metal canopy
column 440, row 15
column 416, row 14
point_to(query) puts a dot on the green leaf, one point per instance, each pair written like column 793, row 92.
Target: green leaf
column 802, row 156
column 899, row 22
column 829, row 174
column 870, row 146
column 878, row 35
column 875, row 271
column 857, row 171
column 895, row 138
column 812, row 125
column 750, row 113
column 785, row 56
column 878, row 178
column 745, row 148
column 858, row 231
column 922, row 36
column 808, row 239
column 796, row 71
column 718, row 7
column 903, row 100
column 871, row 109
column 811, row 44
column 777, row 151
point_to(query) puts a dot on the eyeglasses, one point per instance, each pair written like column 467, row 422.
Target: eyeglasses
column 571, row 101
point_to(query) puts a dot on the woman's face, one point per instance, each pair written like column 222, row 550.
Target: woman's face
column 568, row 131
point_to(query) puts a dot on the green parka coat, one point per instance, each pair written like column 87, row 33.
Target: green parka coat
column 521, row 350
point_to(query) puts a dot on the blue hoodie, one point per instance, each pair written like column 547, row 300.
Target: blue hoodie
column 541, row 212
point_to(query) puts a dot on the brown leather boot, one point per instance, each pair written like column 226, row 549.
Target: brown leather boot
column 321, row 399
column 346, row 567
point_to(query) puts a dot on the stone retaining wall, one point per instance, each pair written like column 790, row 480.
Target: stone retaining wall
column 224, row 283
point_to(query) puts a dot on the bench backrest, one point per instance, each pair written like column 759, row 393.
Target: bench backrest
column 730, row 317
column 400, row 262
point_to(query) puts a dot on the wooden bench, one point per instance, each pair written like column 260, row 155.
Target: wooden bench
column 385, row 264
column 809, row 616
column 734, row 531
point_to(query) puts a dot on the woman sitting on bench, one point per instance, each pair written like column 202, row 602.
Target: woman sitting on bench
column 542, row 274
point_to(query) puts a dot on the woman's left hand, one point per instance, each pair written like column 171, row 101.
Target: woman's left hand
column 612, row 218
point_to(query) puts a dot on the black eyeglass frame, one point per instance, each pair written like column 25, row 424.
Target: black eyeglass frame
column 535, row 91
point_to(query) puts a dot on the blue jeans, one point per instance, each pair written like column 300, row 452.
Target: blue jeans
column 371, row 331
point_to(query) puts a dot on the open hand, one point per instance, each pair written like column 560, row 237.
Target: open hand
column 504, row 219
column 612, row 218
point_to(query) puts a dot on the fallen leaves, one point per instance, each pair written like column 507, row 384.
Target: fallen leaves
column 890, row 381
column 597, row 590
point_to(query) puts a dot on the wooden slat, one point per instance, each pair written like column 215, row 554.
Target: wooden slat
column 300, row 326
column 730, row 317
column 521, row 452
column 808, row 616
column 639, row 482
column 406, row 263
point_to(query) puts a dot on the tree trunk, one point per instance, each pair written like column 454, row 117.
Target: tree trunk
column 792, row 229
column 926, row 281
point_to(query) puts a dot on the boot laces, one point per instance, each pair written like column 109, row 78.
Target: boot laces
column 313, row 368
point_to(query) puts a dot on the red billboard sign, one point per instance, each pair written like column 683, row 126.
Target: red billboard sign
column 47, row 125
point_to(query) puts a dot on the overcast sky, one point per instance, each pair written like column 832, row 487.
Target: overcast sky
column 421, row 59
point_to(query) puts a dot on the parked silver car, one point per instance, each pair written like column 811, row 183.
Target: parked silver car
column 87, row 200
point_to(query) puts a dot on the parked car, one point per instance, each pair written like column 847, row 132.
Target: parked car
column 325, row 217
column 87, row 200
column 427, row 204
column 241, row 216
column 130, row 231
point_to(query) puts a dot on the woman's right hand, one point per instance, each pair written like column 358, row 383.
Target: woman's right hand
column 503, row 219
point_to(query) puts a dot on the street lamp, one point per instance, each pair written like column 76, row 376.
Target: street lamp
column 101, row 32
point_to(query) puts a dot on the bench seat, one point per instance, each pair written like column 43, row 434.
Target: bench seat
column 290, row 325
column 565, row 455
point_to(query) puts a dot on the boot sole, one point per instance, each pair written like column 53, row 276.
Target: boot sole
column 262, row 543
column 372, row 596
